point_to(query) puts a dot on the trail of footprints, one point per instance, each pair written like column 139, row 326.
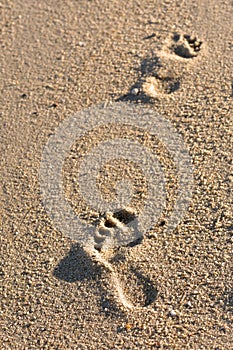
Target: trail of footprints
column 155, row 81
column 156, row 78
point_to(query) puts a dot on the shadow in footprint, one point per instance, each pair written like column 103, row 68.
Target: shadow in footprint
column 78, row 266
column 150, row 292
column 186, row 46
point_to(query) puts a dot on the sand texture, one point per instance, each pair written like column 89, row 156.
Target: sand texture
column 165, row 291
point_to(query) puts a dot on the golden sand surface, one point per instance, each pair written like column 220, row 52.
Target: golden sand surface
column 169, row 291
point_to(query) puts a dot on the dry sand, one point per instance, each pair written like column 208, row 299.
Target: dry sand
column 58, row 57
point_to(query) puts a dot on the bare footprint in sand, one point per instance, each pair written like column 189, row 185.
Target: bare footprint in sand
column 183, row 45
column 159, row 75
column 157, row 86
column 136, row 290
column 156, row 80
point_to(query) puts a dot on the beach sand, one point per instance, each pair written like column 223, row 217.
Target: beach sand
column 170, row 291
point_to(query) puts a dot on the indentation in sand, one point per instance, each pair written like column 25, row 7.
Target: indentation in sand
column 113, row 226
column 155, row 86
column 103, row 252
column 133, row 299
column 183, row 45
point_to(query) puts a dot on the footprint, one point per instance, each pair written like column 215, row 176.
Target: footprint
column 116, row 229
column 133, row 290
column 184, row 46
column 157, row 86
column 155, row 81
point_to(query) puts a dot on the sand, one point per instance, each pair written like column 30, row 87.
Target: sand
column 169, row 291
